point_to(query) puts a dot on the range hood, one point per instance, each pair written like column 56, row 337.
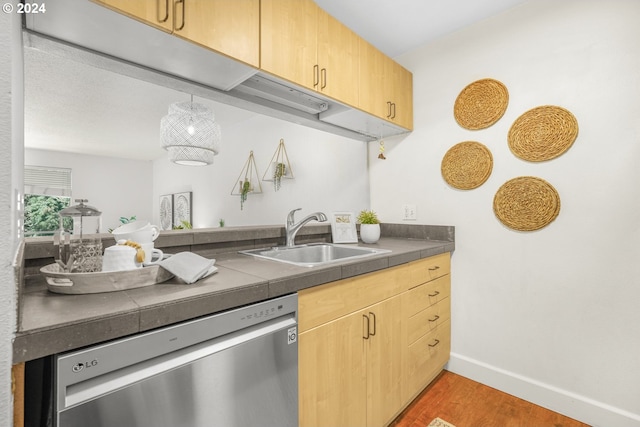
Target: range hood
column 87, row 32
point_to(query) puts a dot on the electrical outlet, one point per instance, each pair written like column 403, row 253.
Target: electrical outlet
column 409, row 212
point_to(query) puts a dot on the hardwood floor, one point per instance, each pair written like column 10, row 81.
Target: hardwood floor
column 466, row 403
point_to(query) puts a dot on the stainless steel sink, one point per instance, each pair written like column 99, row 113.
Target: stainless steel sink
column 314, row 254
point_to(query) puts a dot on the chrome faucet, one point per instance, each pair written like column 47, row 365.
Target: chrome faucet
column 292, row 228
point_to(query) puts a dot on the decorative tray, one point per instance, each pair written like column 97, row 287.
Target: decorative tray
column 111, row 281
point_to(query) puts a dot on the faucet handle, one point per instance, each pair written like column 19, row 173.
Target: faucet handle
column 290, row 217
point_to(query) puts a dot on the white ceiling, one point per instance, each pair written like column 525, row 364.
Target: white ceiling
column 74, row 107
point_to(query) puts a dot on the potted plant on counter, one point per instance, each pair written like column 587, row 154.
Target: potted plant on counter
column 369, row 226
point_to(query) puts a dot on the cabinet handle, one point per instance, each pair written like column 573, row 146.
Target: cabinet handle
column 393, row 104
column 366, row 337
column 435, row 294
column 323, row 78
column 434, row 268
column 316, row 75
column 175, row 10
column 437, row 341
column 434, row 319
column 374, row 324
column 388, row 109
column 166, row 11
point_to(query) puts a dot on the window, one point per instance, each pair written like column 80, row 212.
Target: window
column 47, row 191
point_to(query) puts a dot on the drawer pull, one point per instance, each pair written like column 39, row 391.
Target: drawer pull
column 434, row 268
column 435, row 294
column 435, row 343
column 434, row 319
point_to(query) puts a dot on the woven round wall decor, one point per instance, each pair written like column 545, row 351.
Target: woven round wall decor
column 526, row 203
column 481, row 104
column 542, row 133
column 467, row 165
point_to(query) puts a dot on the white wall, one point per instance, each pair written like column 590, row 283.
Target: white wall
column 330, row 174
column 116, row 187
column 553, row 315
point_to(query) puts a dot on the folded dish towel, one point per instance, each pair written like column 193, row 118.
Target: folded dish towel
column 188, row 266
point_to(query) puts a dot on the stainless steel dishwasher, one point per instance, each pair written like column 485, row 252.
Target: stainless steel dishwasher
column 236, row 368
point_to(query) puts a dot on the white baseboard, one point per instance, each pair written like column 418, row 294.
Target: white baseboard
column 581, row 408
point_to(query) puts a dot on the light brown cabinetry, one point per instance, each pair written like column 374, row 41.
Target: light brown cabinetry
column 427, row 328
column 158, row 13
column 305, row 45
column 354, row 343
column 386, row 88
column 350, row 351
column 228, row 27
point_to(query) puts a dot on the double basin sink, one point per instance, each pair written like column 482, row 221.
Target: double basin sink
column 314, row 254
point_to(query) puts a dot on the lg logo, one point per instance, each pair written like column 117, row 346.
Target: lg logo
column 81, row 365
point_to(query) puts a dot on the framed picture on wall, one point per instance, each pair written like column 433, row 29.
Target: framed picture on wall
column 166, row 212
column 182, row 210
column 343, row 227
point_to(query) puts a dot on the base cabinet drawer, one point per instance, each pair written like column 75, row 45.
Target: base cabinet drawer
column 428, row 320
column 430, row 268
column 425, row 359
column 426, row 295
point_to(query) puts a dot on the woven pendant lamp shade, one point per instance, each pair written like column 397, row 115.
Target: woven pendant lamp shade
column 190, row 134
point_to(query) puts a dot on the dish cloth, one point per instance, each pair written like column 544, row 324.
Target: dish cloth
column 188, row 266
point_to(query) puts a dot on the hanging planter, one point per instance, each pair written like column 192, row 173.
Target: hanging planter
column 247, row 181
column 279, row 168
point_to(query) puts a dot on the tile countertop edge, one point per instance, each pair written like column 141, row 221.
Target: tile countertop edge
column 35, row 343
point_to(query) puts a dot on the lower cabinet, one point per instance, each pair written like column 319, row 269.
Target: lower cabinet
column 366, row 344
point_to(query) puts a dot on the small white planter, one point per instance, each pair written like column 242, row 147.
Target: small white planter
column 370, row 233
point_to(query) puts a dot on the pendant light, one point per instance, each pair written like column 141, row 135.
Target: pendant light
column 190, row 134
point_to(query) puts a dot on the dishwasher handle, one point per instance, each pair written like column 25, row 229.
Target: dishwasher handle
column 74, row 394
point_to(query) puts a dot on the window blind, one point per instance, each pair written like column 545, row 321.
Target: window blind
column 47, row 181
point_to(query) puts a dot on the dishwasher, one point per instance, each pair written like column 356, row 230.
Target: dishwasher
column 235, row 368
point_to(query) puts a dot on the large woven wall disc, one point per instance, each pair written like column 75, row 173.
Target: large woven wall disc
column 467, row 165
column 526, row 203
column 481, row 104
column 542, row 133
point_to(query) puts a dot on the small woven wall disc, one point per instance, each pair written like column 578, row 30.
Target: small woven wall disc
column 526, row 203
column 542, row 133
column 467, row 165
column 481, row 104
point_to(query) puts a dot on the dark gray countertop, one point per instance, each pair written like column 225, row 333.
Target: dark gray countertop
column 52, row 323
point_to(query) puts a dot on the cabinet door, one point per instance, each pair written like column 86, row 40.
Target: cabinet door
column 228, row 27
column 384, row 362
column 338, row 59
column 332, row 374
column 158, row 13
column 372, row 96
column 288, row 40
column 399, row 92
column 386, row 88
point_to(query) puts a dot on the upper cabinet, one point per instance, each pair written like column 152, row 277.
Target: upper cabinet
column 305, row 45
column 289, row 40
column 309, row 54
column 386, row 88
column 228, row 27
column 153, row 12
